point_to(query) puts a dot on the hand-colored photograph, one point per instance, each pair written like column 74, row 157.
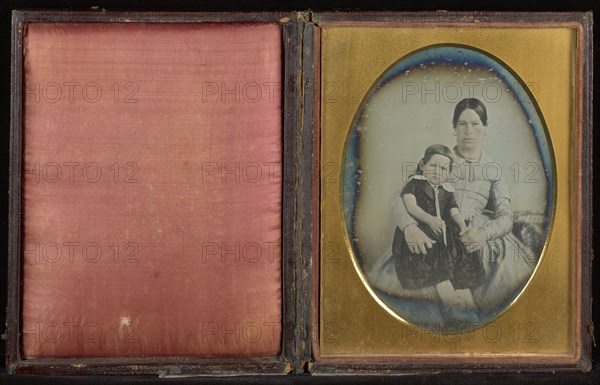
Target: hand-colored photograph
column 447, row 187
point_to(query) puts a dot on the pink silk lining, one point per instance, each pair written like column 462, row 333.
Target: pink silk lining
column 152, row 190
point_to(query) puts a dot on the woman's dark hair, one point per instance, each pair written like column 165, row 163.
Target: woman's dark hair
column 470, row 104
column 432, row 150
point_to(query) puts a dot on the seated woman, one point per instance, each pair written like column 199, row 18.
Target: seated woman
column 485, row 204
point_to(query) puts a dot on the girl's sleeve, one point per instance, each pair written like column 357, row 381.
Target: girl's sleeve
column 451, row 204
column 401, row 216
column 502, row 218
column 409, row 188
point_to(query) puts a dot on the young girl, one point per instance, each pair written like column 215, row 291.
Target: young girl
column 429, row 198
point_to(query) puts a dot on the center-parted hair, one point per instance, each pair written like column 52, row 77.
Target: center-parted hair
column 470, row 104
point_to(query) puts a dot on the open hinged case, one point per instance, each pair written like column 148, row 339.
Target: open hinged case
column 229, row 193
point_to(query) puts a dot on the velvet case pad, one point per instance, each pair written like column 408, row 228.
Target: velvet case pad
column 151, row 190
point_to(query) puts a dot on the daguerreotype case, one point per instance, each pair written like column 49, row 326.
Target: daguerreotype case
column 201, row 194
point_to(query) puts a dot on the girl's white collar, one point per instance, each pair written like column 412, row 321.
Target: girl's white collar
column 446, row 185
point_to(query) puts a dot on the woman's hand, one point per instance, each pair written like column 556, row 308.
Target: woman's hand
column 473, row 239
column 417, row 241
column 437, row 225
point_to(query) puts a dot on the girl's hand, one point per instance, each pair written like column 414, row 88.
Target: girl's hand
column 437, row 225
column 473, row 239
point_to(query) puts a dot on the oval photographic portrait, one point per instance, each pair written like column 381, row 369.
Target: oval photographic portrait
column 448, row 188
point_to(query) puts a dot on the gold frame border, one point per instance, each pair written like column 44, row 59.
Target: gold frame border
column 576, row 194
column 552, row 164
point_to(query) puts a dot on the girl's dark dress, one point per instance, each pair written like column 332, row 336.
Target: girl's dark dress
column 442, row 262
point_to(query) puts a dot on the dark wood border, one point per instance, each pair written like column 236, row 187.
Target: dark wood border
column 582, row 157
column 307, row 159
column 14, row 200
column 316, row 120
column 301, row 201
column 291, row 358
column 293, row 215
column 443, row 18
